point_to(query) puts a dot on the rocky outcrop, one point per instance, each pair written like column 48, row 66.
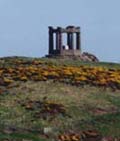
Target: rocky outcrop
column 89, row 57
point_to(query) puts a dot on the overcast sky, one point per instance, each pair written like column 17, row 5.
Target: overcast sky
column 24, row 26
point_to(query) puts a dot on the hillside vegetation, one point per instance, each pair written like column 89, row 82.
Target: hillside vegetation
column 58, row 100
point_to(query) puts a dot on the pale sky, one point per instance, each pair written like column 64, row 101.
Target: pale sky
column 24, row 26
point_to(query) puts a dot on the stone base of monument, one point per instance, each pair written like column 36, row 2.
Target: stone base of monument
column 85, row 56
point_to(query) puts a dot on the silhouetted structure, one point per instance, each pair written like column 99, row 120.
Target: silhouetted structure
column 56, row 46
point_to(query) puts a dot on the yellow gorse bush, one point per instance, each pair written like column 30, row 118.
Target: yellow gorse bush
column 38, row 71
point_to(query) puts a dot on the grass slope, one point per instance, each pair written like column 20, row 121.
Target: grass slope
column 86, row 107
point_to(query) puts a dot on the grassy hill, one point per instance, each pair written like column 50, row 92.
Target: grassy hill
column 57, row 99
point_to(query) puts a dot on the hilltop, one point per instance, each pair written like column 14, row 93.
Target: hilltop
column 58, row 99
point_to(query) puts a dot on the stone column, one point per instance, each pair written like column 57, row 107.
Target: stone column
column 68, row 39
column 51, row 40
column 60, row 42
column 57, row 41
column 72, row 41
column 78, row 44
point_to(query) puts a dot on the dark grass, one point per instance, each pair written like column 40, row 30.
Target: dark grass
column 78, row 100
column 8, row 61
column 22, row 136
